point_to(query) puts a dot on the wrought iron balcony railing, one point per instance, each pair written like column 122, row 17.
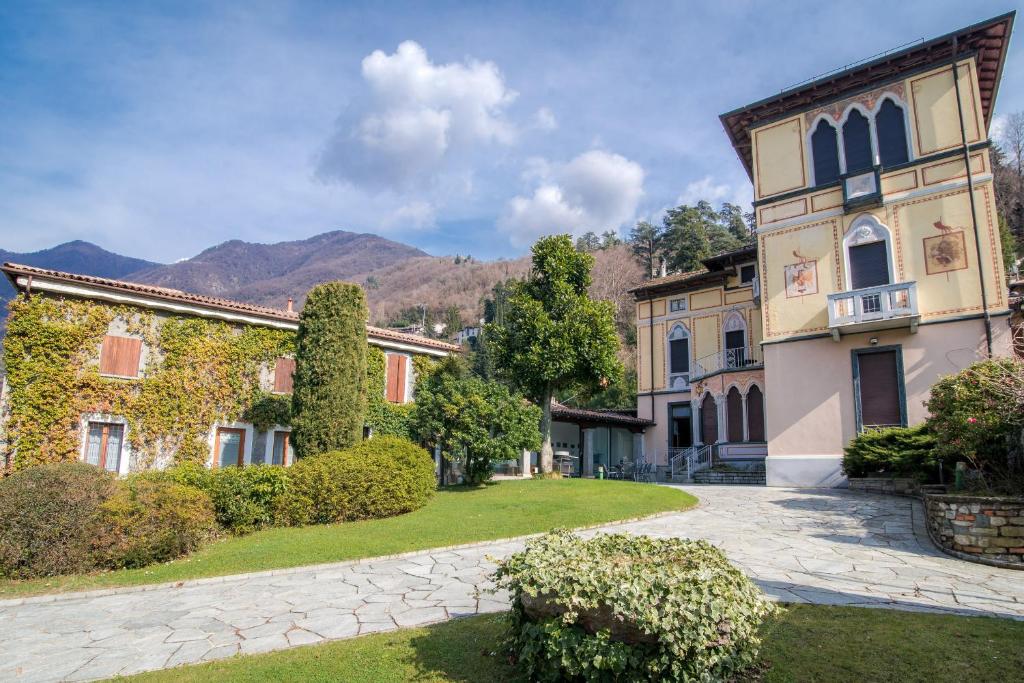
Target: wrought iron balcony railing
column 874, row 308
column 743, row 358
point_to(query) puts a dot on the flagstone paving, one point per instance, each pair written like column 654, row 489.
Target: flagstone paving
column 818, row 546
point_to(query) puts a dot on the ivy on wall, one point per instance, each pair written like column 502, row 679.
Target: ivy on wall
column 382, row 416
column 197, row 372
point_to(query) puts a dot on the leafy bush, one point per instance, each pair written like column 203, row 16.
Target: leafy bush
column 903, row 451
column 978, row 415
column 380, row 477
column 48, row 518
column 151, row 519
column 244, row 498
column 329, row 395
column 620, row 607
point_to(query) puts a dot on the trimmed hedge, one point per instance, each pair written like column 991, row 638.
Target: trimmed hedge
column 620, row 607
column 49, row 517
column 898, row 451
column 244, row 498
column 380, row 477
column 152, row 519
column 329, row 394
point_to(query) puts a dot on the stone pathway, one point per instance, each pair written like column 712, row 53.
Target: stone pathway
column 826, row 547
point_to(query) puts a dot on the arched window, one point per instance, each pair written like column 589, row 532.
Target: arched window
column 825, row 149
column 755, row 414
column 708, row 420
column 857, row 142
column 892, row 134
column 734, row 415
column 868, row 253
column 678, row 358
column 735, row 341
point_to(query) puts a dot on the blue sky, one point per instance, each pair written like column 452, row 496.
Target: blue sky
column 157, row 130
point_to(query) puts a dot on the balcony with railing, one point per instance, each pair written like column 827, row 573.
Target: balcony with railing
column 728, row 360
column 873, row 308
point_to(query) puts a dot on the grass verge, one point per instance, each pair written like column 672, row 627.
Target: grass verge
column 454, row 516
column 806, row 643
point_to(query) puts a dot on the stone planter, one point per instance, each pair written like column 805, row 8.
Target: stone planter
column 979, row 529
column 544, row 607
column 893, row 486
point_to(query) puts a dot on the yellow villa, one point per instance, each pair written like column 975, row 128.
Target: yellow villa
column 877, row 268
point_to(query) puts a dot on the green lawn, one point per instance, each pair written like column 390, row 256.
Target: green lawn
column 453, row 516
column 807, row 643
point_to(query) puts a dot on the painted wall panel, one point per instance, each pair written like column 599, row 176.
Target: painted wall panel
column 739, row 296
column 779, row 158
column 707, row 299
column 934, row 109
column 707, row 333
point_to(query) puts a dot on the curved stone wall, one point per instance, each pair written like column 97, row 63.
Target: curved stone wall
column 988, row 530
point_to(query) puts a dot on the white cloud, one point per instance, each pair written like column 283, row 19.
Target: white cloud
column 709, row 190
column 417, row 117
column 595, row 191
column 545, row 120
column 415, row 215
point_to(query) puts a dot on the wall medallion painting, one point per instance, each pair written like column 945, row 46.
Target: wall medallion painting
column 945, row 252
column 801, row 277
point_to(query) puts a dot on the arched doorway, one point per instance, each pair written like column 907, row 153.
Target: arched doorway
column 708, row 420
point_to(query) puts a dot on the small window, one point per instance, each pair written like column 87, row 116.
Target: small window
column 869, row 265
column 103, row 448
column 679, row 353
column 825, row 149
column 396, row 375
column 282, row 453
column 229, row 448
column 284, row 371
column 878, row 385
column 677, row 305
column 892, row 134
column 747, row 274
column 857, row 142
column 119, row 356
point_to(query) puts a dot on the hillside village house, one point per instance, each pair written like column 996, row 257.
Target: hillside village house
column 878, row 268
column 123, row 355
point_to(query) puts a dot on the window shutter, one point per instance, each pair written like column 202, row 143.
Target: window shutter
column 825, row 148
column 892, row 134
column 400, row 390
column 284, row 373
column 869, row 265
column 679, row 350
column 755, row 415
column 879, row 389
column 734, row 415
column 120, row 356
column 857, row 143
column 396, row 367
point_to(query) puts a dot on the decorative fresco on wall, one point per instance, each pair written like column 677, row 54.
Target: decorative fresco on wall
column 801, row 277
column 945, row 252
column 868, row 100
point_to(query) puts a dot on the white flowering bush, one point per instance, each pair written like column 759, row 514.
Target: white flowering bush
column 620, row 607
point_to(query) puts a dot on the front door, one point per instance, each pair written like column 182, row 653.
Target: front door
column 680, row 426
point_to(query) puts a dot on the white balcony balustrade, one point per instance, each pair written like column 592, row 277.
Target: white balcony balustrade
column 873, row 308
column 742, row 358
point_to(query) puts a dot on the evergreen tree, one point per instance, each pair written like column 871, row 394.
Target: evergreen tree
column 610, row 239
column 329, row 394
column 588, row 241
column 647, row 243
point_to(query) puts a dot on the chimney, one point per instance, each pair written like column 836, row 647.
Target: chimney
column 663, row 271
column 291, row 303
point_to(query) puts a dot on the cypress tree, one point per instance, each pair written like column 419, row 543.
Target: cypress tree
column 329, row 389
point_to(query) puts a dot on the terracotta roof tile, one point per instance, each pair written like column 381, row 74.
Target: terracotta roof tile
column 12, row 270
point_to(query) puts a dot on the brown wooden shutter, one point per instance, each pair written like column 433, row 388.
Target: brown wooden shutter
column 734, row 415
column 708, row 420
column 120, row 356
column 879, row 389
column 284, row 371
column 755, row 415
column 400, row 391
column 396, row 367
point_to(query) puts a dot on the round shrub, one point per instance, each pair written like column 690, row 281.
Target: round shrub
column 151, row 519
column 244, row 498
column 620, row 607
column 48, row 517
column 380, row 477
column 903, row 451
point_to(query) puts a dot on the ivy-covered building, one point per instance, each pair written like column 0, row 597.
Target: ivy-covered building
column 129, row 376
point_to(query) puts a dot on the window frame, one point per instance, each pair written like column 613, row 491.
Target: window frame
column 684, row 334
column 901, row 386
column 678, row 305
column 904, row 109
column 106, row 425
column 216, row 445
column 753, row 269
column 862, row 229
column 811, row 130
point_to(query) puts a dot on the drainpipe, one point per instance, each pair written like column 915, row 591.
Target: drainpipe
column 970, row 194
column 650, row 336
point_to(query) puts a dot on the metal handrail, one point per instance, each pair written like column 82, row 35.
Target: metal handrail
column 691, row 460
column 740, row 358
